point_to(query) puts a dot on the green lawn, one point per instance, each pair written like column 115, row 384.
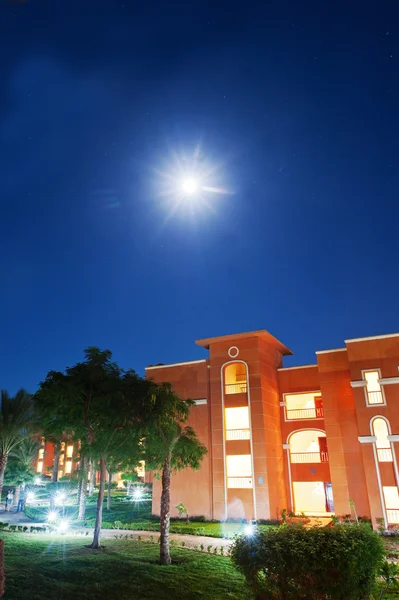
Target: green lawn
column 138, row 516
column 42, row 567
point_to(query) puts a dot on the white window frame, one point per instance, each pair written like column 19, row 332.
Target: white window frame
column 366, row 394
column 284, row 404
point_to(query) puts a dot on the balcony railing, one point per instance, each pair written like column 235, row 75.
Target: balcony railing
column 237, row 434
column 393, row 515
column 239, row 482
column 375, row 397
column 309, row 457
column 236, row 388
column 305, row 413
column 384, row 454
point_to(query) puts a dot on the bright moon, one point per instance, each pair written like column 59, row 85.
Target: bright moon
column 189, row 186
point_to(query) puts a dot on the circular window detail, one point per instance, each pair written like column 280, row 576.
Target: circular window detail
column 233, row 352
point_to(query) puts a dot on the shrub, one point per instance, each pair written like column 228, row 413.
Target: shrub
column 293, row 563
column 3, row 525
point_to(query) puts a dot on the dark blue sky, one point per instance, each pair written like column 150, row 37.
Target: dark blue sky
column 295, row 103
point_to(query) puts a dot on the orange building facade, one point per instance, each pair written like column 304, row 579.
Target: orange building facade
column 318, row 439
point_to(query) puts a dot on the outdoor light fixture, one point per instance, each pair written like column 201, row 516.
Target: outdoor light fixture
column 38, row 480
column 63, row 526
column 138, row 494
column 30, row 497
column 249, row 530
column 52, row 516
column 60, row 498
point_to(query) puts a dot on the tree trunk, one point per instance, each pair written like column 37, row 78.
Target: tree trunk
column 2, row 578
column 54, row 474
column 99, row 513
column 79, row 489
column 83, row 489
column 165, row 513
column 16, row 495
column 92, row 477
column 3, row 464
column 109, row 491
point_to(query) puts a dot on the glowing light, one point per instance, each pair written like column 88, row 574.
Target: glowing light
column 138, row 494
column 30, row 497
column 249, row 530
column 38, row 480
column 190, row 186
column 60, row 498
column 52, row 516
column 63, row 526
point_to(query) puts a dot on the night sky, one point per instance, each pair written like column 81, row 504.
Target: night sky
column 291, row 108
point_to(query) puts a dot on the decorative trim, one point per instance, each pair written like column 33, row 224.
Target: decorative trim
column 299, row 367
column 388, row 380
column 358, row 384
column 233, row 352
column 189, row 362
column 333, row 350
column 382, row 499
column 366, row 394
column 250, row 435
column 367, row 439
column 200, row 401
column 393, row 438
column 373, row 337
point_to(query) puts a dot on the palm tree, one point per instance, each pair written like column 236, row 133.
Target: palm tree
column 15, row 419
column 19, row 467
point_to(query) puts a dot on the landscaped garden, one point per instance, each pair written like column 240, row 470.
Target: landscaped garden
column 55, row 568
column 82, row 538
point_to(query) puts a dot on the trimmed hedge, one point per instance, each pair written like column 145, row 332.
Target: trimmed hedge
column 293, row 563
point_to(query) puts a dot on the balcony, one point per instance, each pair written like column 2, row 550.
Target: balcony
column 237, row 434
column 309, row 457
column 305, row 413
column 236, row 388
column 375, row 397
column 239, row 483
column 393, row 515
column 384, row 454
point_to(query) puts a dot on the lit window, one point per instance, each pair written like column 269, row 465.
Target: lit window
column 68, row 467
column 239, row 471
column 373, row 388
column 303, row 406
column 380, row 429
column 69, row 451
column 39, row 467
column 308, row 446
column 391, row 503
column 235, row 379
column 41, row 453
column 237, row 423
column 62, row 446
column 61, row 459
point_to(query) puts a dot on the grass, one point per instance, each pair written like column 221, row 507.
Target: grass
column 38, row 567
column 137, row 515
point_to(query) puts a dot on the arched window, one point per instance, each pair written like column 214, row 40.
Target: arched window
column 381, row 432
column 235, row 378
column 308, row 446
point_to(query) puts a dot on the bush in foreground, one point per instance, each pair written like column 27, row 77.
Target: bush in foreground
column 292, row 563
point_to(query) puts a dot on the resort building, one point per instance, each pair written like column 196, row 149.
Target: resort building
column 315, row 439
